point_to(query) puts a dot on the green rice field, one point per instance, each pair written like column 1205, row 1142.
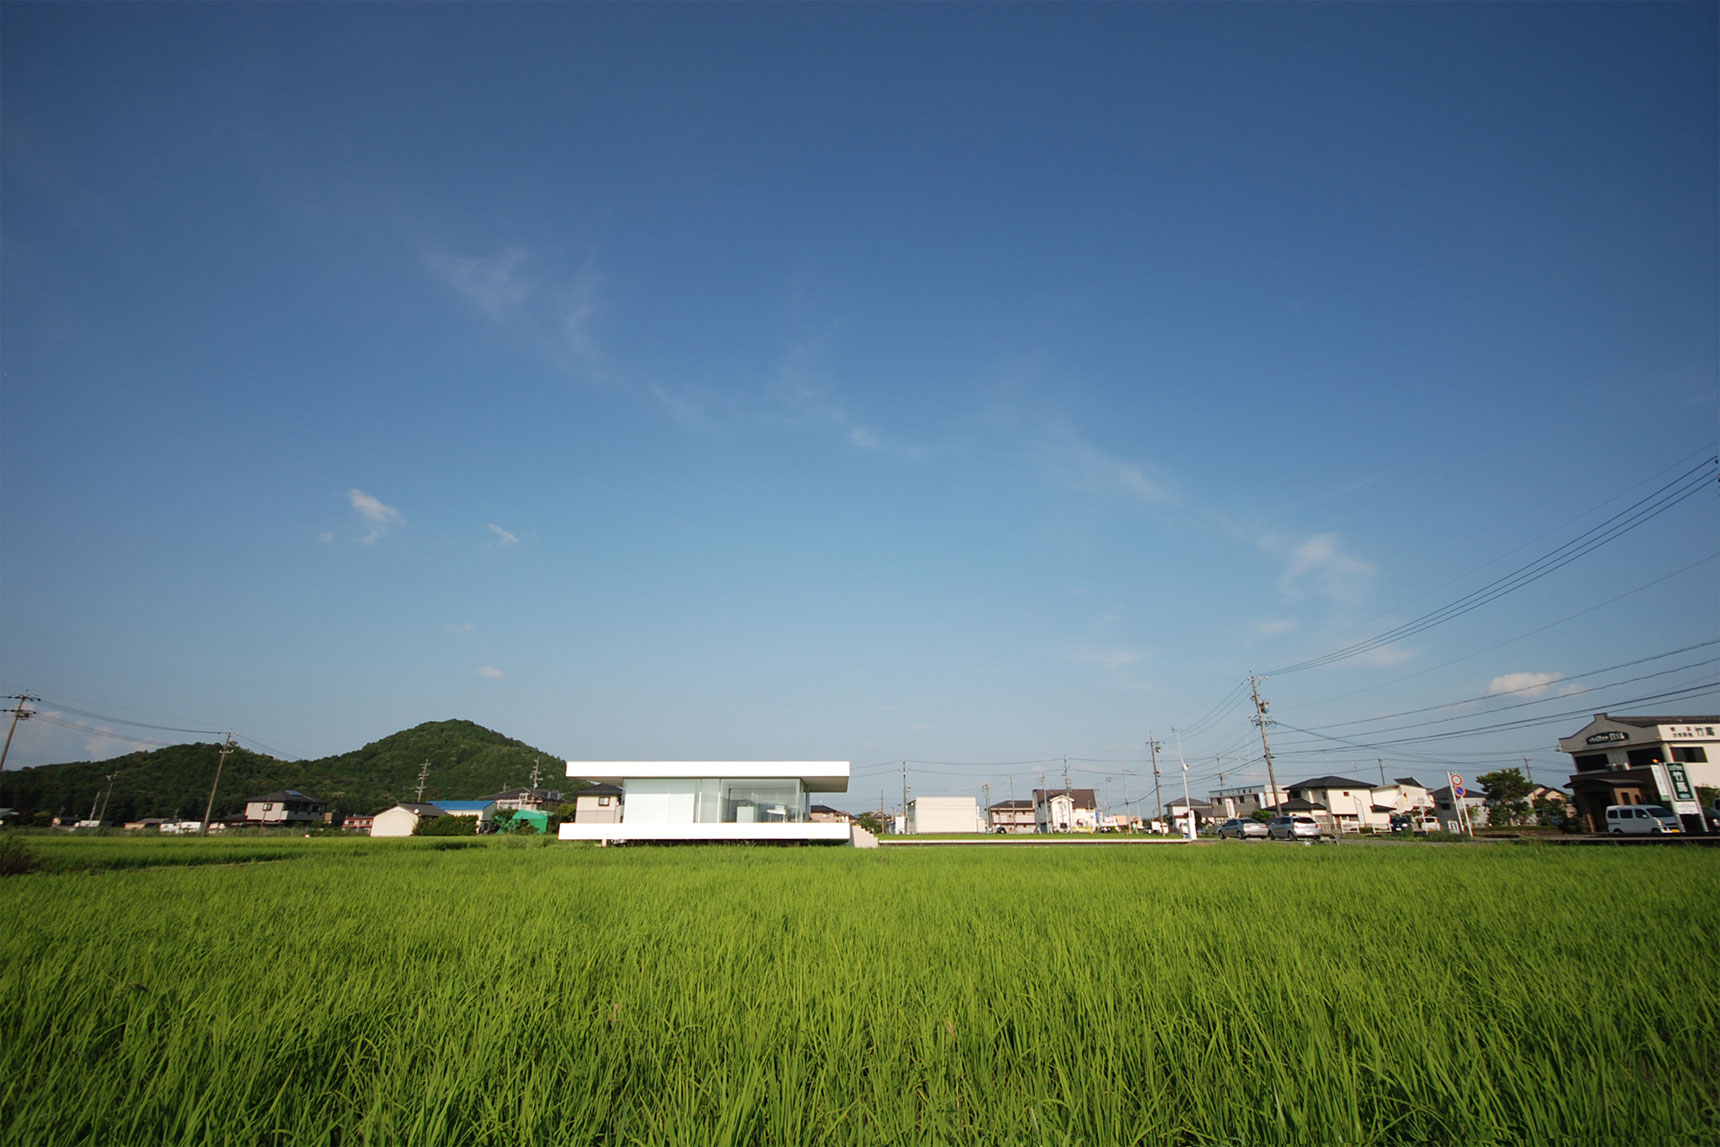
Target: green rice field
column 341, row 992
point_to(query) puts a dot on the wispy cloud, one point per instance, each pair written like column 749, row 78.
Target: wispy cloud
column 1107, row 658
column 458, row 627
column 1074, row 463
column 556, row 314
column 1276, row 626
column 1529, row 684
column 490, row 671
column 378, row 517
column 503, row 537
column 493, row 284
column 1319, row 563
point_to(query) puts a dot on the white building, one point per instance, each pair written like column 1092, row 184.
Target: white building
column 944, row 814
column 1349, row 803
column 402, row 819
column 1643, row 760
column 713, row 800
column 1065, row 810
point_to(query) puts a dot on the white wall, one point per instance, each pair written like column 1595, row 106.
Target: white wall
column 394, row 822
column 943, row 814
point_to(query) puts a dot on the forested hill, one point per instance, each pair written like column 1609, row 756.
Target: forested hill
column 467, row 761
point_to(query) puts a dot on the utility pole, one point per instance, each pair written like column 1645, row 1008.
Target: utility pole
column 423, row 776
column 102, row 815
column 904, row 797
column 227, row 747
column 1188, row 804
column 987, row 811
column 20, row 712
column 535, row 776
column 1158, row 793
column 1382, row 762
column 1260, row 718
column 1526, row 775
column 1128, row 817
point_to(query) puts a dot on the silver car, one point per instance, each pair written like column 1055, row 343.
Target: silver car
column 1242, row 828
column 1293, row 828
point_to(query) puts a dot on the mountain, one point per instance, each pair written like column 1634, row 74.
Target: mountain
column 466, row 761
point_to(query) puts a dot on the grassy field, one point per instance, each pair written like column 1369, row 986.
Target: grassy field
column 343, row 992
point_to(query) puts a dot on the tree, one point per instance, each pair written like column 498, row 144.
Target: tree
column 1505, row 791
column 447, row 825
column 872, row 823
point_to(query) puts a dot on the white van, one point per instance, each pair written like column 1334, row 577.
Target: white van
column 1640, row 820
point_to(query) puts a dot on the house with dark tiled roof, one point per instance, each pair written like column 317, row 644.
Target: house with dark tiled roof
column 1348, row 803
column 1009, row 817
column 284, row 807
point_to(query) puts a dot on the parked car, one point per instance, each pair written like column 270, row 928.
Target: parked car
column 1242, row 828
column 1293, row 828
column 1641, row 820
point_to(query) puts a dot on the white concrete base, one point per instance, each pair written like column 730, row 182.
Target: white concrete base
column 818, row 832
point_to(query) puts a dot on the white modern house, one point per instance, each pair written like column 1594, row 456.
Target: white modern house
column 761, row 801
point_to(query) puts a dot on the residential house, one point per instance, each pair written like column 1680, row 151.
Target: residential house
column 358, row 823
column 148, row 822
column 484, row 810
column 1065, row 810
column 1403, row 795
column 597, row 804
column 713, row 801
column 823, row 812
column 1474, row 802
column 402, row 819
column 944, row 814
column 1349, row 803
column 1009, row 817
column 287, row 807
column 513, row 800
column 1245, row 800
column 1179, row 809
column 1643, row 760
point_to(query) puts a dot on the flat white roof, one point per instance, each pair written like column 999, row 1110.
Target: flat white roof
column 817, row 776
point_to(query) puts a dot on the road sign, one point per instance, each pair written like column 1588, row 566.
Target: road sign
column 1457, row 788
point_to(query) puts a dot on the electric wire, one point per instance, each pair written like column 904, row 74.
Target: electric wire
column 1686, row 485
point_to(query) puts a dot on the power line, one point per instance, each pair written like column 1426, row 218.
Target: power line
column 1646, row 509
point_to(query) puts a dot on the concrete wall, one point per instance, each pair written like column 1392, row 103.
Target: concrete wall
column 943, row 814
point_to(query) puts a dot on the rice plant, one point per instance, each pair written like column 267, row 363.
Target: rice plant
column 353, row 994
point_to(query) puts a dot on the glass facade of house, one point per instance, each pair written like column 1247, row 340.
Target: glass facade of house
column 714, row 800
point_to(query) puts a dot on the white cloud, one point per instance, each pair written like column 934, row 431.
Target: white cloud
column 503, row 537
column 490, row 671
column 1077, row 464
column 458, row 627
column 379, row 517
column 556, row 315
column 492, row 284
column 1320, row 564
column 1529, row 684
column 1276, row 626
column 326, row 537
column 1107, row 658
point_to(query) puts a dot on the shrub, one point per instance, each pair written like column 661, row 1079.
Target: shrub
column 447, row 825
column 16, row 857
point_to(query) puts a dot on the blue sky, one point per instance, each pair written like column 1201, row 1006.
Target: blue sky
column 945, row 384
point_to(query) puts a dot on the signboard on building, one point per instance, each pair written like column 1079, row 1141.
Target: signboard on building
column 1607, row 737
column 1689, row 732
column 1675, row 789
